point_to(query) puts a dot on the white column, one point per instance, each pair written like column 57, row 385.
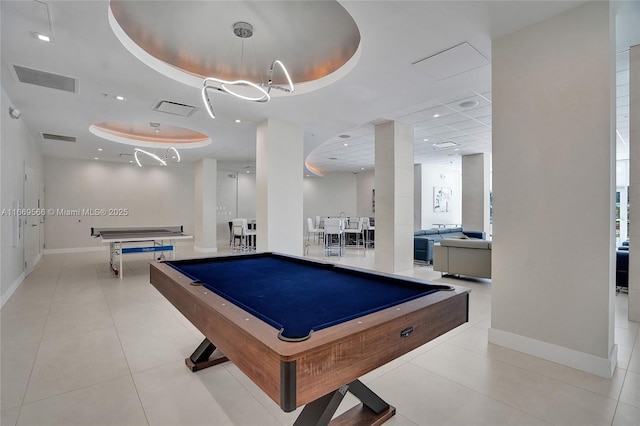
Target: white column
column 279, row 160
column 476, row 171
column 553, row 88
column 417, row 197
column 634, row 183
column 394, row 196
column 205, row 206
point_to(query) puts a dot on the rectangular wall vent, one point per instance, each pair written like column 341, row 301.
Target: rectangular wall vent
column 46, row 79
column 174, row 108
column 52, row 137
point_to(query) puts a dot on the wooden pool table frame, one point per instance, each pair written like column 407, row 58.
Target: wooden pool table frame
column 327, row 364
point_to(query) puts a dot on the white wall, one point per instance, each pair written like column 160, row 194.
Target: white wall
column 476, row 188
column 365, row 184
column 433, row 176
column 247, row 195
column 17, row 147
column 236, row 198
column 205, row 206
column 153, row 196
column 330, row 195
column 227, row 208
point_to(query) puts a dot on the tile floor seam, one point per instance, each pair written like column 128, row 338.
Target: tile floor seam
column 250, row 393
column 35, row 401
column 480, row 393
column 530, row 372
column 544, row 374
column 35, row 357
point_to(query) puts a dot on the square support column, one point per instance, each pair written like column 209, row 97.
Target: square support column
column 476, row 175
column 553, row 292
column 279, row 159
column 634, row 183
column 394, row 178
column 205, row 221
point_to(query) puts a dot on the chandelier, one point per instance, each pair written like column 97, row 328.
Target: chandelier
column 163, row 162
column 244, row 89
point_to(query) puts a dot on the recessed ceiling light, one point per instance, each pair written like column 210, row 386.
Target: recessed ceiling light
column 99, row 149
column 346, row 144
column 307, row 175
column 131, row 161
column 248, row 171
column 361, row 168
column 238, row 121
column 119, row 98
column 157, row 130
column 344, row 136
column 43, row 37
column 436, row 115
column 425, row 140
column 468, row 104
column 95, row 158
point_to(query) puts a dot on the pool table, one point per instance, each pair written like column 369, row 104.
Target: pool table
column 304, row 330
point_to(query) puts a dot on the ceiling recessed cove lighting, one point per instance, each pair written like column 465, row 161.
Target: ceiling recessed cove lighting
column 468, row 104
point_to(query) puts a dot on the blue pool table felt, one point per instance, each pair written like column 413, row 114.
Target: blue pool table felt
column 297, row 297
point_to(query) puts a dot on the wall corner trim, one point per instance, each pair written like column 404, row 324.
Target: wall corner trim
column 7, row 294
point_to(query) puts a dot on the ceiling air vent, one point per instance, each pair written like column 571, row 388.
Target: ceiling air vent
column 46, row 79
column 51, row 137
column 174, row 108
column 447, row 144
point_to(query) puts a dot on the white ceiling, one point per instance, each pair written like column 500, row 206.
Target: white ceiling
column 390, row 80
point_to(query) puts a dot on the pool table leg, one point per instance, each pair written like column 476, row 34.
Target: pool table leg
column 372, row 411
column 199, row 359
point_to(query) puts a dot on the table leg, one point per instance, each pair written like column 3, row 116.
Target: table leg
column 199, row 359
column 372, row 411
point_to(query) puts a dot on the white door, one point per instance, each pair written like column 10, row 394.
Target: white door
column 30, row 220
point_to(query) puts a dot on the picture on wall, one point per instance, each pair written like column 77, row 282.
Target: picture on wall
column 441, row 199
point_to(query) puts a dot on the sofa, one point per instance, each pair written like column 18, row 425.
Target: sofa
column 463, row 257
column 424, row 240
column 622, row 265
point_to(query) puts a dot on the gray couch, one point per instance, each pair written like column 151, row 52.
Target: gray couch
column 463, row 257
column 424, row 240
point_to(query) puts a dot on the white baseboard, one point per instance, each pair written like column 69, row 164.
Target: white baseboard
column 205, row 250
column 582, row 361
column 75, row 250
column 7, row 294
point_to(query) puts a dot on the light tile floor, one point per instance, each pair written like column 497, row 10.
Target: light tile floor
column 82, row 347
